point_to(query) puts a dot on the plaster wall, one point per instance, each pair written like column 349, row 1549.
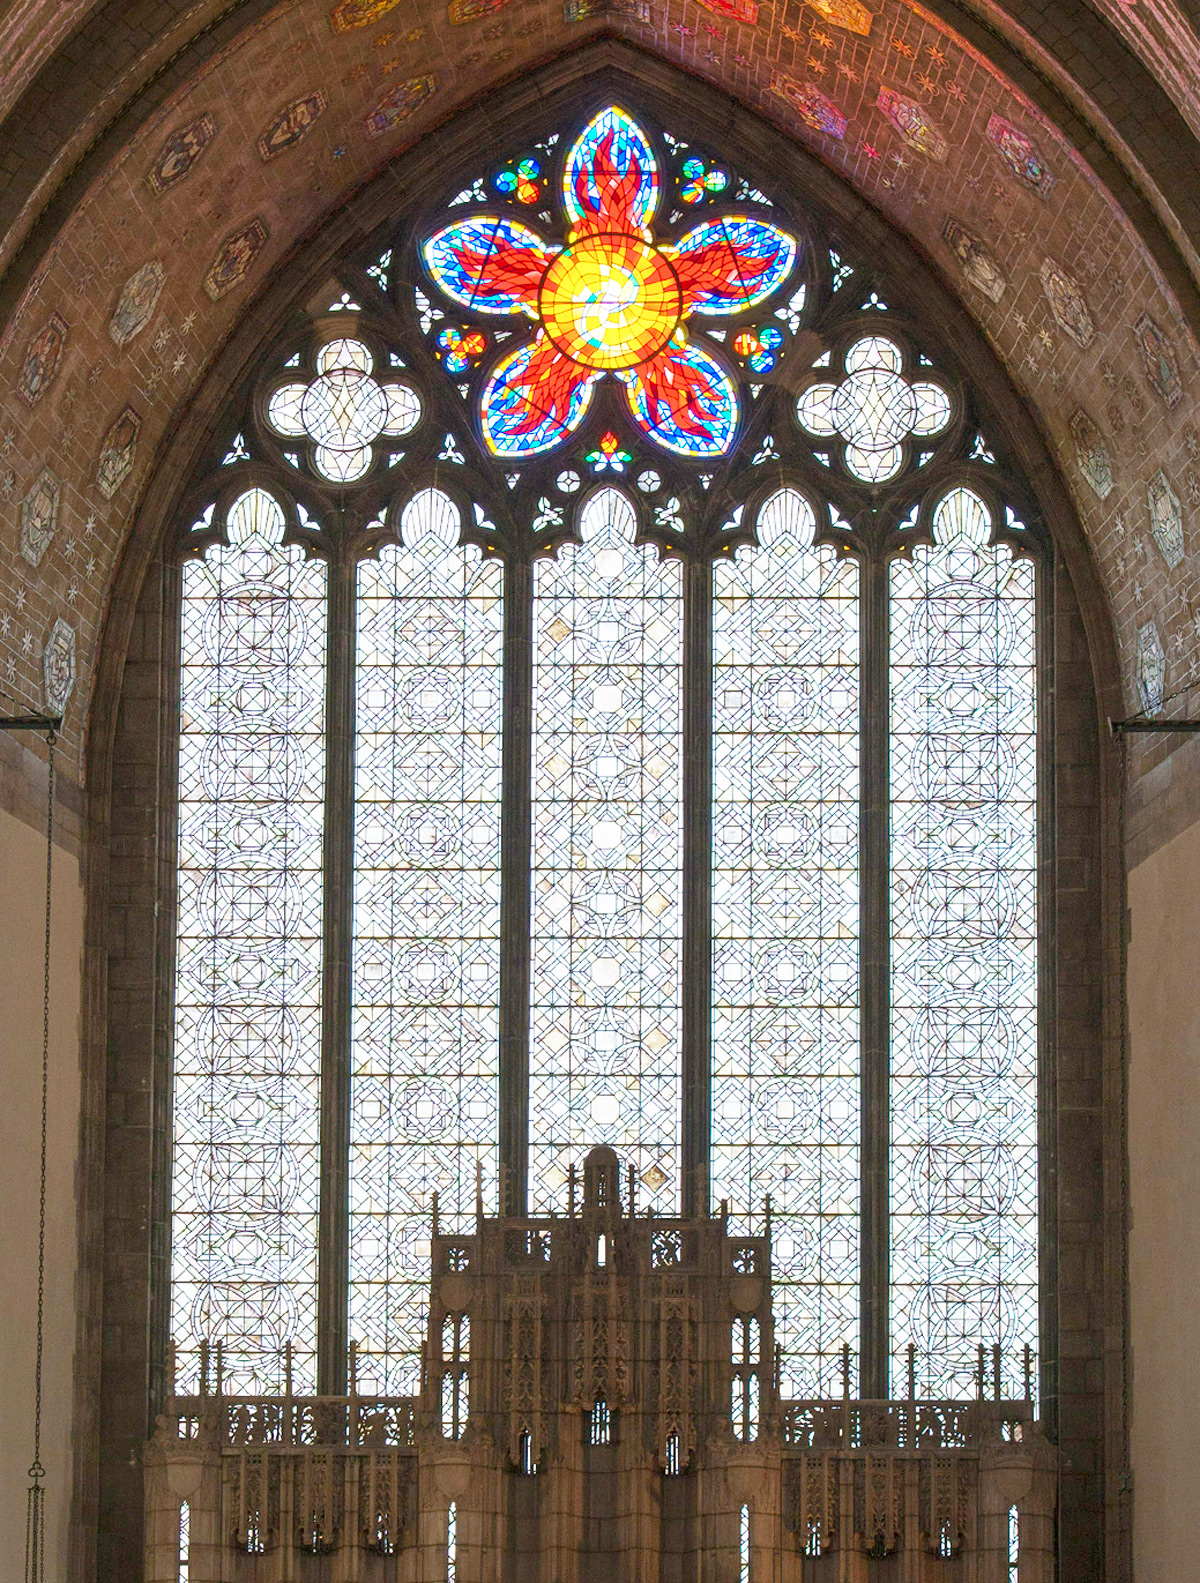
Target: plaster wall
column 1164, row 1162
column 22, row 921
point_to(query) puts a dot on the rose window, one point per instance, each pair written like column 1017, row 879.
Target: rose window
column 343, row 411
column 874, row 409
column 613, row 300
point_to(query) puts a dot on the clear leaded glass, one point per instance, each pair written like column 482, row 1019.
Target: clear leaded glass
column 605, row 996
column 343, row 410
column 874, row 409
column 426, row 919
column 482, row 390
column 248, row 978
column 964, row 952
column 785, row 1115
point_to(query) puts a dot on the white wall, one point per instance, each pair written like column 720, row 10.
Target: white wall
column 1164, row 1155
column 22, row 921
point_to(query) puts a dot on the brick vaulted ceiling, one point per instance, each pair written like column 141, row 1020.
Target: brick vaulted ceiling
column 1109, row 93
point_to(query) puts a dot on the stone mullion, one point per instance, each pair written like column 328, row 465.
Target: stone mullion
column 515, row 869
column 697, row 886
column 874, row 975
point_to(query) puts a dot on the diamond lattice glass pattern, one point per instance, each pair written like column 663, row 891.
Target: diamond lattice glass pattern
column 426, row 920
column 248, row 977
column 964, row 953
column 605, row 1053
column 785, row 924
column 874, row 409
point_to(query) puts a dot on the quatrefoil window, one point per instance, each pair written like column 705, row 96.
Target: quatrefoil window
column 344, row 411
column 874, row 409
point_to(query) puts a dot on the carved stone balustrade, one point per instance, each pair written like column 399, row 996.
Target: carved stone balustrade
column 599, row 1404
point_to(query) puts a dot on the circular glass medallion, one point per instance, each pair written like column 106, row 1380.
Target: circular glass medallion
column 344, row 410
column 610, row 301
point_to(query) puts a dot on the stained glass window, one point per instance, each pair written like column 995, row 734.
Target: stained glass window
column 785, row 923
column 426, row 919
column 613, row 300
column 964, row 950
column 246, row 1177
column 607, row 828
column 608, row 715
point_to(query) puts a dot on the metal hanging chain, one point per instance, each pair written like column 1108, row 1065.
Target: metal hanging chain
column 35, row 1511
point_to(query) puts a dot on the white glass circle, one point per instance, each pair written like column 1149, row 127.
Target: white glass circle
column 283, row 410
column 343, row 354
column 344, row 410
column 403, row 409
column 343, row 467
column 874, row 409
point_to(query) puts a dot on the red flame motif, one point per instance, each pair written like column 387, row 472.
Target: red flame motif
column 612, row 209
column 724, row 267
column 681, row 393
column 551, row 379
column 503, row 266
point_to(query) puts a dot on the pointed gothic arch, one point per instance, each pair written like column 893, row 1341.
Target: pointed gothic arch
column 924, row 324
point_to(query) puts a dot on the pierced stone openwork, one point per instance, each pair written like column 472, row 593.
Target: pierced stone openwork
column 874, row 409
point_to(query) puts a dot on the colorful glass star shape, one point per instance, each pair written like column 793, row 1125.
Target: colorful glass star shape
column 611, row 301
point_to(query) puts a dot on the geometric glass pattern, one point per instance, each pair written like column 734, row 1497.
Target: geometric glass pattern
column 607, row 827
column 426, row 920
column 785, row 1106
column 964, row 1187
column 874, row 409
column 248, row 977
column 344, row 410
column 613, row 301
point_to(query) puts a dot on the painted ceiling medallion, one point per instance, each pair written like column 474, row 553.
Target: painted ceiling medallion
column 613, row 300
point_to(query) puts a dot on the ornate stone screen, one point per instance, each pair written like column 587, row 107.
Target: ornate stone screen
column 609, row 716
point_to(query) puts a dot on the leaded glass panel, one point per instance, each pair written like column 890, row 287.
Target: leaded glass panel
column 605, row 996
column 609, row 334
column 785, row 923
column 245, row 1183
column 964, row 942
column 426, row 919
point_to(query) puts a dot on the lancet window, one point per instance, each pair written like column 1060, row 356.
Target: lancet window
column 609, row 714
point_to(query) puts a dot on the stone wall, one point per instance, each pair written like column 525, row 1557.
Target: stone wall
column 22, row 922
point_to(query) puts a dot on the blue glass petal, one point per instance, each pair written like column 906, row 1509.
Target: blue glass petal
column 534, row 398
column 489, row 263
column 611, row 181
column 728, row 264
column 684, row 401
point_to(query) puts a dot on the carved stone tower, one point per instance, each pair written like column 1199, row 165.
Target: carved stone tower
column 600, row 1404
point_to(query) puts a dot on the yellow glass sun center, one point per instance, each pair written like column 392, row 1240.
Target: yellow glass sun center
column 610, row 301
